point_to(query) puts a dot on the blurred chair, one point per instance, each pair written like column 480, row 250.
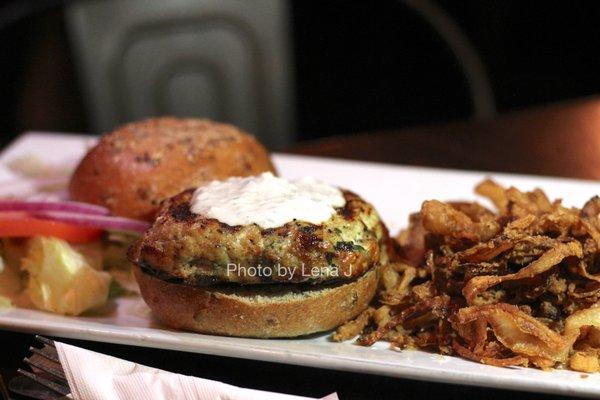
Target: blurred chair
column 228, row 60
column 480, row 87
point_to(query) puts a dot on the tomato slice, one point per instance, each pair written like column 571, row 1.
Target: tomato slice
column 20, row 224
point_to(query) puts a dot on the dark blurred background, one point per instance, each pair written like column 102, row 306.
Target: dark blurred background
column 351, row 66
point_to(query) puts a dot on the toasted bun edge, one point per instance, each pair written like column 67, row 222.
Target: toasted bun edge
column 250, row 313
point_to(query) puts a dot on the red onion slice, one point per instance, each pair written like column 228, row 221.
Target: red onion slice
column 95, row 221
column 41, row 205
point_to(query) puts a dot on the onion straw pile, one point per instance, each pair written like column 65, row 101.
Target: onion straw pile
column 517, row 287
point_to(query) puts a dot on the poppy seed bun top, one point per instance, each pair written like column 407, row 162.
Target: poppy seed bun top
column 132, row 169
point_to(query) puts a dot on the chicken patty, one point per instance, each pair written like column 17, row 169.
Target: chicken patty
column 190, row 248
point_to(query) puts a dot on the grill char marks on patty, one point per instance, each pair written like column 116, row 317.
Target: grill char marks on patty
column 200, row 251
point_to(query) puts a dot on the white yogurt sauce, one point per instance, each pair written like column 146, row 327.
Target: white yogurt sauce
column 267, row 201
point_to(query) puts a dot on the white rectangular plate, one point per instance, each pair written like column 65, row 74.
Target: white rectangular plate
column 395, row 191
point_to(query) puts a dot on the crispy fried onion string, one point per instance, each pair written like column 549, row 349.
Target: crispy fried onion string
column 523, row 334
column 443, row 219
column 520, row 286
column 516, row 330
column 436, row 306
column 552, row 257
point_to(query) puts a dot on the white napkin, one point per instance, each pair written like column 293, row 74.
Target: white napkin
column 94, row 376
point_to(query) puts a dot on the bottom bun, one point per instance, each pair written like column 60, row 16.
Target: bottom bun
column 264, row 311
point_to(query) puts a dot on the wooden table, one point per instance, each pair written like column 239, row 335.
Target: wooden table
column 561, row 140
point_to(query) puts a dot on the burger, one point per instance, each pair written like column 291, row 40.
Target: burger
column 233, row 249
column 261, row 257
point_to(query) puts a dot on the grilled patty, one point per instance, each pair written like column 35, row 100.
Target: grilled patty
column 196, row 250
